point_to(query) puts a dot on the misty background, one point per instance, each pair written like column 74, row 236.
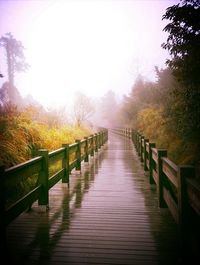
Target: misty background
column 91, row 47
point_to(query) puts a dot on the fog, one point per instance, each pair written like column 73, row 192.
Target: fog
column 87, row 46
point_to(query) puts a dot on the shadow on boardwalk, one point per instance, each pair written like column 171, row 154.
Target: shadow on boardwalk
column 108, row 215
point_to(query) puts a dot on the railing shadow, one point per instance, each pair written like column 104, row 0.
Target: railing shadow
column 55, row 222
column 162, row 226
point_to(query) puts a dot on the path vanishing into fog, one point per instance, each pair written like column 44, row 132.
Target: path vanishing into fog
column 108, row 215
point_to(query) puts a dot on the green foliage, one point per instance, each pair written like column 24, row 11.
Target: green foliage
column 152, row 123
column 159, row 114
column 168, row 111
column 183, row 45
column 184, row 40
column 141, row 96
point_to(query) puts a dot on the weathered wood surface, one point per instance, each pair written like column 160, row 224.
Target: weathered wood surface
column 109, row 215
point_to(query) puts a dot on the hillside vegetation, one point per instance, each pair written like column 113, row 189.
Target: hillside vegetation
column 168, row 111
column 22, row 133
column 155, row 110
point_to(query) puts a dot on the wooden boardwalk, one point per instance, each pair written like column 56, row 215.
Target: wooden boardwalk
column 109, row 215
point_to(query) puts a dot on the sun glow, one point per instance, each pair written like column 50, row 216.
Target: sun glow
column 90, row 46
column 74, row 46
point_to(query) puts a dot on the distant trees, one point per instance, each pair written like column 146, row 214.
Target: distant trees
column 14, row 55
column 82, row 109
column 142, row 95
column 109, row 109
column 9, row 94
column 14, row 52
column 149, row 108
column 168, row 111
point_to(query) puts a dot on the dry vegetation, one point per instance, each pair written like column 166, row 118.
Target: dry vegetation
column 22, row 133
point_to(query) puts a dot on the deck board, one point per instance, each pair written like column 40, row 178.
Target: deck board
column 109, row 215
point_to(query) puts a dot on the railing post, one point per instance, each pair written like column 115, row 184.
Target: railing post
column 183, row 218
column 106, row 136
column 96, row 142
column 102, row 138
column 86, row 150
column 151, row 180
column 145, row 154
column 2, row 211
column 92, row 145
column 130, row 130
column 78, row 155
column 138, row 143
column 65, row 164
column 99, row 141
column 44, row 178
column 141, row 148
column 133, row 136
column 161, row 153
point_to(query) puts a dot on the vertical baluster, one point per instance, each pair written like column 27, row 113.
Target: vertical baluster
column 161, row 201
column 43, row 179
column 65, row 164
column 78, row 155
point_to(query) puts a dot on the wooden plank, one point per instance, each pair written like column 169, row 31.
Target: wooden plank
column 193, row 193
column 147, row 147
column 107, row 215
column 173, row 207
column 155, row 155
column 155, row 176
column 143, row 142
column 171, row 170
column 147, row 165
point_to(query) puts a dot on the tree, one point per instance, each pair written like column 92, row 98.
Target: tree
column 109, row 109
column 10, row 95
column 183, row 45
column 82, row 109
column 15, row 56
column 184, row 40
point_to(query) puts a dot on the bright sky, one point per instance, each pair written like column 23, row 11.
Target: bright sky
column 87, row 46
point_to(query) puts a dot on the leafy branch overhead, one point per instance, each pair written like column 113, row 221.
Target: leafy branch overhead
column 183, row 41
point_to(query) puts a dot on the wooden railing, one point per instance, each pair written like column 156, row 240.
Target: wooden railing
column 43, row 172
column 177, row 187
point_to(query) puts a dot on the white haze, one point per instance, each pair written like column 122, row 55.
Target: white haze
column 87, row 46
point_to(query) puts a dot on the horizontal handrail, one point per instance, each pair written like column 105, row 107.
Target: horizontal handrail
column 38, row 169
column 177, row 187
column 57, row 152
column 170, row 170
column 34, row 164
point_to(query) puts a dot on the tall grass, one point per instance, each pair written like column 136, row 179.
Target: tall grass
column 22, row 133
